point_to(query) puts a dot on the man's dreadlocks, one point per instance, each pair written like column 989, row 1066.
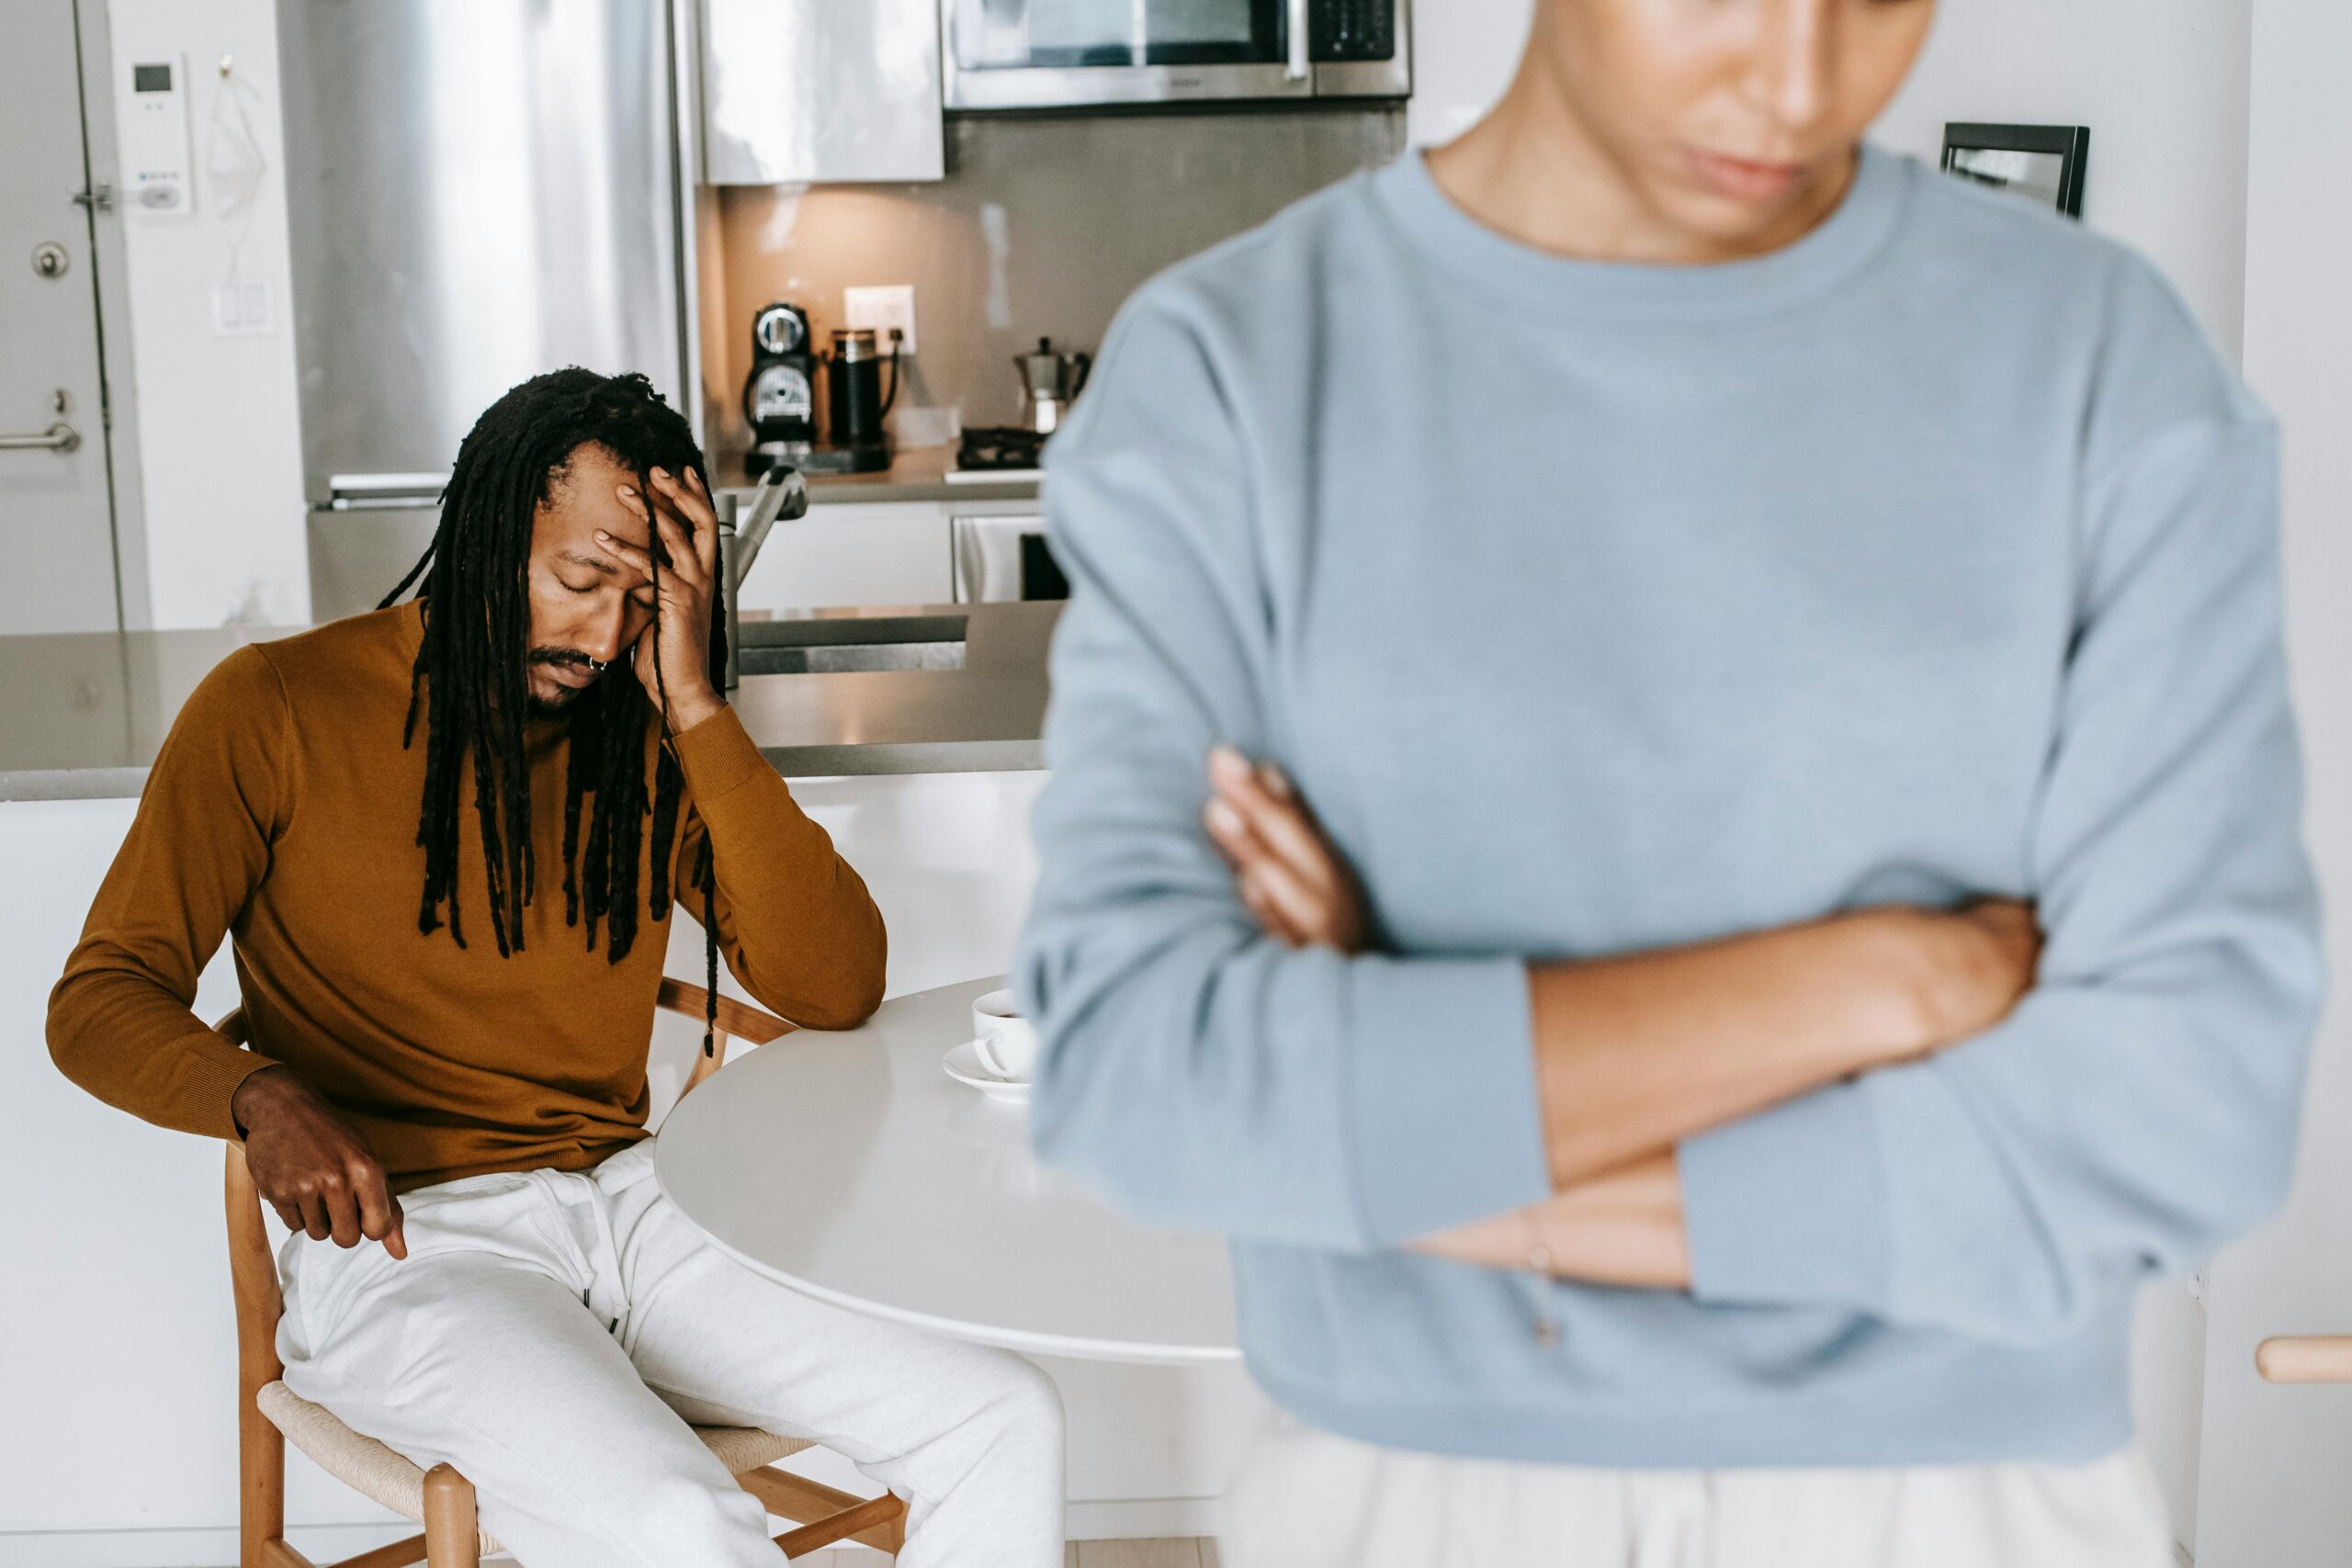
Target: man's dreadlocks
column 471, row 675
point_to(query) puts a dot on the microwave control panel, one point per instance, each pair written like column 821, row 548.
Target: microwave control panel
column 1341, row 30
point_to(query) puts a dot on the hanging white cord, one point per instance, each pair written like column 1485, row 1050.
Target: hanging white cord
column 236, row 164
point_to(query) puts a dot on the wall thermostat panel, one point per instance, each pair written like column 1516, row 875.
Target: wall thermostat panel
column 156, row 176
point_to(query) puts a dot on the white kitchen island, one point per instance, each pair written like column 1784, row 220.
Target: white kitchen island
column 120, row 1351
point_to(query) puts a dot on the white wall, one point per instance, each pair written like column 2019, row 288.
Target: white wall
column 220, row 444
column 2274, row 1492
column 1463, row 52
column 2162, row 83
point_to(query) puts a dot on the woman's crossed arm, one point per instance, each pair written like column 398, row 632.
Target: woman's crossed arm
column 1635, row 1052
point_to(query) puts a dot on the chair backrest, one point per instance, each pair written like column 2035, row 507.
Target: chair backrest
column 253, row 1273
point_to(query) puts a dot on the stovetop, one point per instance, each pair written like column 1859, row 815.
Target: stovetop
column 988, row 448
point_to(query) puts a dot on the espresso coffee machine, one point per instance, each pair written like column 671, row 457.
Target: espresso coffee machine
column 780, row 394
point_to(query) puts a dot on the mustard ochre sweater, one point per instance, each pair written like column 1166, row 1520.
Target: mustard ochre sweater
column 282, row 811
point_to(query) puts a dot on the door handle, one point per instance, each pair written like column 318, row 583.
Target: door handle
column 1295, row 69
column 58, row 437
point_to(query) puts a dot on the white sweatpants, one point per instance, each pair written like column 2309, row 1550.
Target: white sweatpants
column 1307, row 1499
column 551, row 1334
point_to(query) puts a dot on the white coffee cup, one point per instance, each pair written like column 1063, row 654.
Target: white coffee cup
column 1005, row 1042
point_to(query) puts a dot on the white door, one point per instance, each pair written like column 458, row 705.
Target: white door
column 56, row 509
column 2277, row 1459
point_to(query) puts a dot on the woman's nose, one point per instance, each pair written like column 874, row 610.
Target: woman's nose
column 1794, row 59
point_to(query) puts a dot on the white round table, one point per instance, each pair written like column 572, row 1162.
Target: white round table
column 851, row 1167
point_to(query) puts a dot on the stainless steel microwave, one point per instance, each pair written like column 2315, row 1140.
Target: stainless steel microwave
column 1053, row 54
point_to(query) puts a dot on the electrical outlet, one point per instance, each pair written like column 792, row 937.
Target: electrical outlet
column 241, row 309
column 882, row 308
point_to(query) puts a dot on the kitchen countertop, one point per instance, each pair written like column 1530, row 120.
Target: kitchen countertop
column 917, row 474
column 85, row 713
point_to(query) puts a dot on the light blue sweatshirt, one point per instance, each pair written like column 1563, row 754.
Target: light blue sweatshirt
column 1603, row 607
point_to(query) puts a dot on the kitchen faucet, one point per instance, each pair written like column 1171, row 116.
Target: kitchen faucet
column 783, row 496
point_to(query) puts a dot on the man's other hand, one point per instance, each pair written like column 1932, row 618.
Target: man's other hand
column 311, row 1166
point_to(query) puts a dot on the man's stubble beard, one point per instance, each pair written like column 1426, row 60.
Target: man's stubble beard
column 554, row 707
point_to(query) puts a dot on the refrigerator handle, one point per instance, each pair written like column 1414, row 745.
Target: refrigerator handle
column 382, row 492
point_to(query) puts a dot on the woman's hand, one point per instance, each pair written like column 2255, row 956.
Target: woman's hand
column 1967, row 968
column 1620, row 1227
column 1288, row 875
column 681, row 519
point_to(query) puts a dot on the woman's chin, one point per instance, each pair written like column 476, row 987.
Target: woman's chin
column 1738, row 213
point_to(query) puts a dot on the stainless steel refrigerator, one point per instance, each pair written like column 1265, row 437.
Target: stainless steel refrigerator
column 477, row 190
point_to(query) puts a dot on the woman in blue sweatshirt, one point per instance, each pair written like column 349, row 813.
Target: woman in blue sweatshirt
column 1690, row 561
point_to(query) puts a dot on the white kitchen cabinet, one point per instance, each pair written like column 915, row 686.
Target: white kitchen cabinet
column 855, row 553
column 796, row 90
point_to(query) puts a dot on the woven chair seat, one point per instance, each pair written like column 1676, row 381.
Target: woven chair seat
column 374, row 1471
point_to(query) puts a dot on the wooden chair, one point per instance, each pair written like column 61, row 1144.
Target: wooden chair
column 269, row 1413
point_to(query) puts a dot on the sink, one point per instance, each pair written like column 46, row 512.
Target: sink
column 836, row 644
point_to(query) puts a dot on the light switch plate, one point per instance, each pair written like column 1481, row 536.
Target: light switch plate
column 882, row 307
column 241, row 309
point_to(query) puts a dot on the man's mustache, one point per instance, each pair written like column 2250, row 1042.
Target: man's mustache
column 570, row 656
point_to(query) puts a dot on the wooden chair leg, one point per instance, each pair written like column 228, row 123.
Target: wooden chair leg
column 452, row 1536
column 252, row 1277
column 826, row 1515
column 873, row 1513
column 261, row 1481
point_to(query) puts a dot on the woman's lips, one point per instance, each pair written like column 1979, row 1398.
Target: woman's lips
column 1743, row 179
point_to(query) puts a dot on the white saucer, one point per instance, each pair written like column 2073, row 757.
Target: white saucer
column 964, row 1065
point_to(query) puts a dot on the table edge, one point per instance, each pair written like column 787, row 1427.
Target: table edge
column 1125, row 1352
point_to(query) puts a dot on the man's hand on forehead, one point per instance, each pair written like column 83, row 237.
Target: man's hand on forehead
column 674, row 653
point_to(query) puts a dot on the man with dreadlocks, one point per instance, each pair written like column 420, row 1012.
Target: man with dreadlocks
column 449, row 1026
